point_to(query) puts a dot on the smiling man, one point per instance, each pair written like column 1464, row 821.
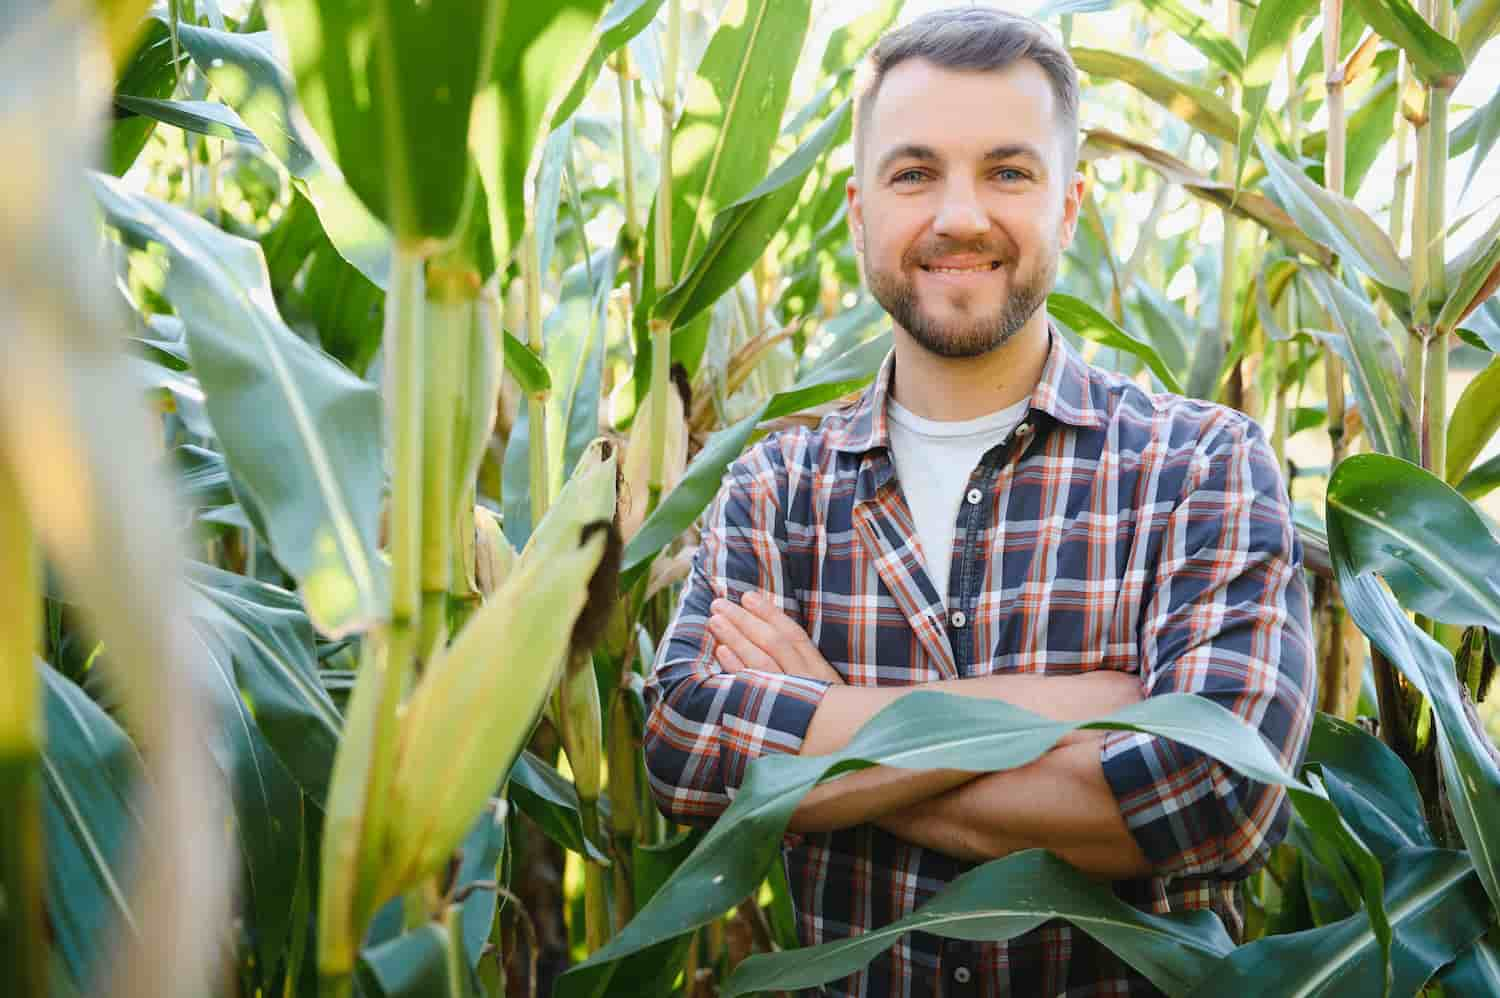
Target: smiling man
column 993, row 518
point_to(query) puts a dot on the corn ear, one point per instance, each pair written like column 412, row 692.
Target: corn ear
column 475, row 706
column 582, row 735
column 637, row 464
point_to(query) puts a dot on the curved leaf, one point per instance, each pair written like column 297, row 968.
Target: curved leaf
column 91, row 774
column 1371, row 787
column 1003, row 899
column 1333, row 219
column 1476, row 972
column 1428, row 515
column 1090, row 323
column 1436, row 59
column 923, row 730
column 1379, row 385
column 623, row 21
column 547, row 798
column 148, row 73
column 526, row 367
column 247, row 73
column 1203, row 109
column 743, row 230
column 1435, row 906
column 300, row 433
column 1272, row 30
column 1473, row 422
column 275, row 669
column 701, row 481
column 1197, row 30
column 201, row 116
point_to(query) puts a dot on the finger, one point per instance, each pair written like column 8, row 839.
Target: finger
column 748, row 652
column 750, row 625
column 729, row 660
column 790, row 637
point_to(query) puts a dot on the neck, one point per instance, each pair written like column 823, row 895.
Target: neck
column 958, row 388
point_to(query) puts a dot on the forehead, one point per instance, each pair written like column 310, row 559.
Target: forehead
column 958, row 112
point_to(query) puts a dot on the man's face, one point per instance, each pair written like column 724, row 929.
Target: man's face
column 959, row 204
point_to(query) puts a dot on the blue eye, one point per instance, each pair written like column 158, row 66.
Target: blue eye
column 1010, row 173
column 907, row 176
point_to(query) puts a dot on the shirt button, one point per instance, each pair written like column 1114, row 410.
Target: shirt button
column 958, row 619
column 1024, row 430
column 974, row 496
column 961, row 975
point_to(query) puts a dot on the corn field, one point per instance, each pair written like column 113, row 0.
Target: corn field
column 368, row 366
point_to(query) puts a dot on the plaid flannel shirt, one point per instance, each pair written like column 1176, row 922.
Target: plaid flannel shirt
column 1114, row 529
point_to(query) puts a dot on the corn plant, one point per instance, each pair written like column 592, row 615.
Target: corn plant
column 388, row 273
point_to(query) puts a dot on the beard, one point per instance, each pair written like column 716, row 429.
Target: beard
column 979, row 333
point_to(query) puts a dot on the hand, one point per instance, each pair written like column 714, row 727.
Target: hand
column 757, row 635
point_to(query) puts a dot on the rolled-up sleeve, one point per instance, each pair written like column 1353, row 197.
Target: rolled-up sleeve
column 705, row 725
column 1229, row 621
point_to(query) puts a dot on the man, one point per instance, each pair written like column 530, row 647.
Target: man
column 994, row 518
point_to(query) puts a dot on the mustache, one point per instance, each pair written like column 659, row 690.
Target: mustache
column 940, row 248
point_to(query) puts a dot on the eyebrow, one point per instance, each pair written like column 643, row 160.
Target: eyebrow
column 926, row 154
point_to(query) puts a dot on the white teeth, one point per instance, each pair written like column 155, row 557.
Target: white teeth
column 962, row 270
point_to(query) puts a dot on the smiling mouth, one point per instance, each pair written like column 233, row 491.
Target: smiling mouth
column 979, row 268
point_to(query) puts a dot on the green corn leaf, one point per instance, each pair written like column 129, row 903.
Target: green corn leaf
column 922, row 730
column 200, row 116
column 1473, row 422
column 1091, row 324
column 389, row 87
column 299, row 432
column 1435, row 906
column 246, row 71
column 743, row 230
column 1379, row 386
column 1201, row 108
column 1274, row 26
column 547, row 798
column 1371, row 787
column 623, row 21
column 1481, row 480
column 526, row 367
column 1471, row 278
column 1476, row 972
column 542, row 48
column 701, row 481
column 1336, row 221
column 91, row 774
column 1195, row 28
column 1484, row 124
column 1478, row 21
column 1436, row 59
column 1394, row 518
column 1001, row 900
column 146, row 73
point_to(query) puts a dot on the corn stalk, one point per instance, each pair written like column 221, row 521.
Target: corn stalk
column 1229, row 251
column 661, row 329
column 23, row 946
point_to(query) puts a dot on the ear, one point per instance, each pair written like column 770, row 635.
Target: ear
column 1072, row 203
column 855, row 216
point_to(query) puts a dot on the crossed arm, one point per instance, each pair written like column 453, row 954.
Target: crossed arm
column 1061, row 801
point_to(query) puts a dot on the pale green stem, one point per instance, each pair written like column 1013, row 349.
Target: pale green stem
column 1435, row 375
column 536, row 406
column 627, row 167
column 23, row 946
column 1229, row 250
column 404, row 378
column 661, row 331
column 458, row 966
column 1333, row 179
column 446, row 353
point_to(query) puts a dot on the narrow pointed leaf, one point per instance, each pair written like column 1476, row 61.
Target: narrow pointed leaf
column 275, row 668
column 1476, row 972
column 1355, row 763
column 1485, row 123
column 1435, row 906
column 623, row 21
column 146, row 72
column 1478, row 21
column 91, row 774
column 200, row 116
column 1195, row 28
column 1436, row 59
column 1408, row 554
column 923, row 730
column 300, row 433
column 703, row 477
column 1473, row 421
column 1379, row 386
column 1203, row 109
column 541, row 49
column 743, row 230
column 1001, row 900
column 547, row 798
column 1336, row 221
column 248, row 73
column 1091, row 324
column 526, row 367
column 1274, row 26
column 1472, row 278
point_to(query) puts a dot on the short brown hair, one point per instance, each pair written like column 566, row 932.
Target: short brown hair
column 978, row 39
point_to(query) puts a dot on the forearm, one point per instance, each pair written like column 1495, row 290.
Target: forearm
column 1060, row 802
column 872, row 793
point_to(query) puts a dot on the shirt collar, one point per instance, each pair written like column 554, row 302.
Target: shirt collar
column 1063, row 392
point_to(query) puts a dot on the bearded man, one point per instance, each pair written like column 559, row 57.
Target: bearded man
column 993, row 518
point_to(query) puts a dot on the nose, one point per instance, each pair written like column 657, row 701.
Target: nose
column 960, row 215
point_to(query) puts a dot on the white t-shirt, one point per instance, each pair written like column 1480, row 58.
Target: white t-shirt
column 934, row 460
